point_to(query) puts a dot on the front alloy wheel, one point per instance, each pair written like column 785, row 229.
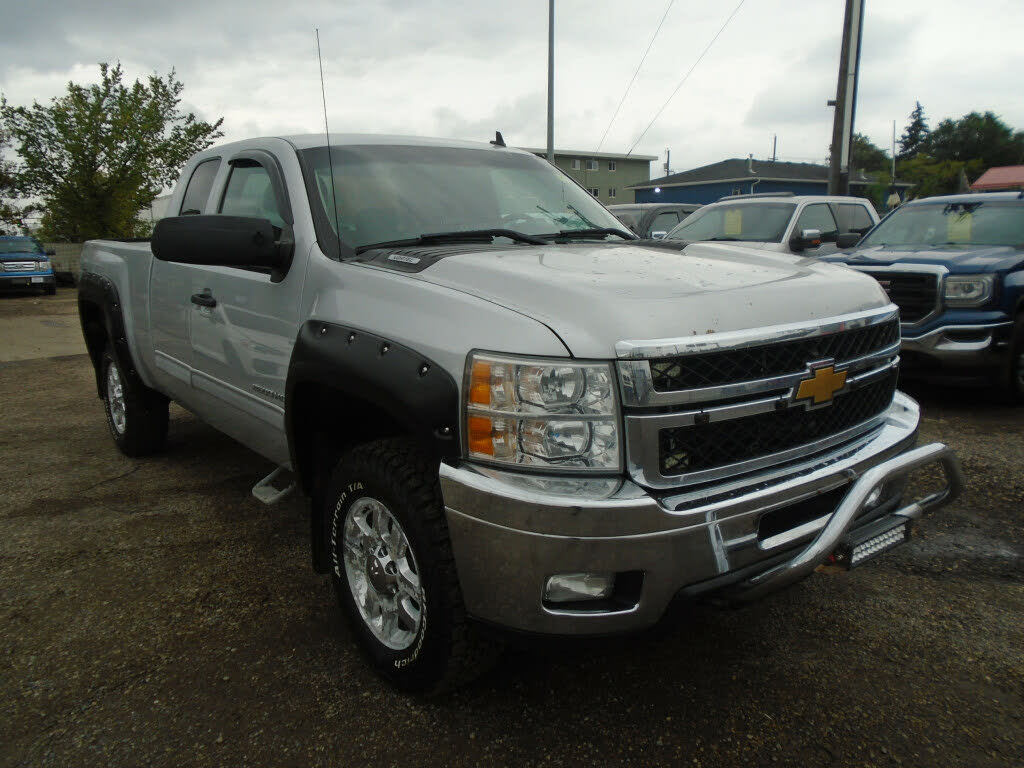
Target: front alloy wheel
column 382, row 574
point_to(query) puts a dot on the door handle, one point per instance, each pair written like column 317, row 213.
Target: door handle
column 204, row 300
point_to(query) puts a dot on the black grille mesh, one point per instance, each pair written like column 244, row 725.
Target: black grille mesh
column 914, row 293
column 704, row 446
column 713, row 369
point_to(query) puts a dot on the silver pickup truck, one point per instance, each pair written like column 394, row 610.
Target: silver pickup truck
column 503, row 410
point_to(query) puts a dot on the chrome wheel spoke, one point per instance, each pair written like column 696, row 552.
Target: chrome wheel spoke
column 408, row 613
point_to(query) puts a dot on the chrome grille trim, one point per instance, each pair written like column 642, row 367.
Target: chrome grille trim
column 753, row 337
column 633, row 370
column 19, row 266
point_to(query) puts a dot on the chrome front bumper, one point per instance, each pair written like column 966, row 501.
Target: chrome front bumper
column 962, row 346
column 511, row 532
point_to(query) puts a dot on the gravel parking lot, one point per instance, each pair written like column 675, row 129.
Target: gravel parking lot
column 153, row 613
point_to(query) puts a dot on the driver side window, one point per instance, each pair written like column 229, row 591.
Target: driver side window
column 249, row 192
column 818, row 216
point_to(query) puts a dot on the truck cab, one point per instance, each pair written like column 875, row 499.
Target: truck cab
column 809, row 225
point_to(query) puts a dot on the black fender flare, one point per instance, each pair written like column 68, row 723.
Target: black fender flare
column 409, row 387
column 96, row 290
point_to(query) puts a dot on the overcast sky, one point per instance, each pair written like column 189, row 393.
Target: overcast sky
column 465, row 68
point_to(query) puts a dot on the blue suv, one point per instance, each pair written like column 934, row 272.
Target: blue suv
column 955, row 267
column 24, row 263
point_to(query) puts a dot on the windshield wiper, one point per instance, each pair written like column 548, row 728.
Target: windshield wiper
column 721, row 239
column 456, row 236
column 591, row 232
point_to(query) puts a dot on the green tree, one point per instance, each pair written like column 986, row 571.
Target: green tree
column 12, row 214
column 101, row 153
column 866, row 157
column 931, row 176
column 916, row 134
column 975, row 136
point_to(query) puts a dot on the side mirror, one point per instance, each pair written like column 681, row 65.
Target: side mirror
column 806, row 238
column 51, row 252
column 848, row 240
column 223, row 241
column 658, row 234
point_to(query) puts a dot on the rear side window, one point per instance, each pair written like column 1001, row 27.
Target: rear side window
column 251, row 193
column 198, row 190
column 818, row 216
column 663, row 222
column 854, row 218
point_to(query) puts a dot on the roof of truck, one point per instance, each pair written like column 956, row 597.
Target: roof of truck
column 310, row 140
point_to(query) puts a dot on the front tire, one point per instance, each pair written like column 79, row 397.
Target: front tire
column 136, row 414
column 394, row 572
column 1011, row 376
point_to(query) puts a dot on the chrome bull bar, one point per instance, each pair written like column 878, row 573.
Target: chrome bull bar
column 852, row 505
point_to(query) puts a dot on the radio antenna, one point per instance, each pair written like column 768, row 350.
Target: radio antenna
column 330, row 158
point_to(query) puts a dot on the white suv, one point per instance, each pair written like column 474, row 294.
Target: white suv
column 806, row 224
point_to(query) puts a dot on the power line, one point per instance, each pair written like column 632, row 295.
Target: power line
column 687, row 75
column 642, row 59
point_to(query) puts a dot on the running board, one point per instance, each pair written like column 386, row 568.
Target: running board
column 267, row 492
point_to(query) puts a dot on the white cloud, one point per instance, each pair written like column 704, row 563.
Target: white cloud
column 464, row 69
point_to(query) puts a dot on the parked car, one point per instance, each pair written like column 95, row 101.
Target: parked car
column 955, row 267
column 652, row 220
column 25, row 263
column 546, row 429
column 806, row 224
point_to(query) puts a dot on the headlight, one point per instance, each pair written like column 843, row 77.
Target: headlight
column 967, row 290
column 552, row 414
column 43, row 266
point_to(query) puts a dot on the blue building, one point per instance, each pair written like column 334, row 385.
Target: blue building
column 743, row 177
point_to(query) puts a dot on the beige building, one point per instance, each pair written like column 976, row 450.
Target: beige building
column 606, row 175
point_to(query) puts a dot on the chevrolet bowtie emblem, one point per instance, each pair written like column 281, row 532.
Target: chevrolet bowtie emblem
column 820, row 387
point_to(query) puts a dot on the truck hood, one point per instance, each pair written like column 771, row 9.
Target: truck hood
column 957, row 260
column 594, row 295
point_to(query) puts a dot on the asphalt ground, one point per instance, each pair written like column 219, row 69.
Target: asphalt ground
column 153, row 613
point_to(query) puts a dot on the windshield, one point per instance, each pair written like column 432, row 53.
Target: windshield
column 754, row 222
column 386, row 193
column 21, row 245
column 952, row 224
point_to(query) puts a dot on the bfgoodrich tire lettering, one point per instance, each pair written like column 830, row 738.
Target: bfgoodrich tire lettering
column 391, row 487
column 136, row 414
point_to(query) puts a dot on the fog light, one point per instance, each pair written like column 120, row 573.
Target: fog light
column 569, row 587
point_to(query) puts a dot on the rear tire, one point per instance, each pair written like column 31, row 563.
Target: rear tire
column 136, row 414
column 394, row 572
column 51, row 290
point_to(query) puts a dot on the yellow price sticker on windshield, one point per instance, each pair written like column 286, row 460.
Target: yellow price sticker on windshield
column 959, row 226
column 734, row 222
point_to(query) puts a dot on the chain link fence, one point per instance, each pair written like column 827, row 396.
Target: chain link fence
column 68, row 258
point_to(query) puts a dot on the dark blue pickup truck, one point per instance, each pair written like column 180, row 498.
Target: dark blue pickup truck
column 955, row 267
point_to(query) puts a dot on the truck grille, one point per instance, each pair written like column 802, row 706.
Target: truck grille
column 717, row 368
column 915, row 293
column 704, row 446
column 18, row 266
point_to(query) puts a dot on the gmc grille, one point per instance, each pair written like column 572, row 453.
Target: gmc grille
column 915, row 293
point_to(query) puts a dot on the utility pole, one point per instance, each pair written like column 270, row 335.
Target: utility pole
column 551, row 81
column 846, row 99
column 668, row 162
